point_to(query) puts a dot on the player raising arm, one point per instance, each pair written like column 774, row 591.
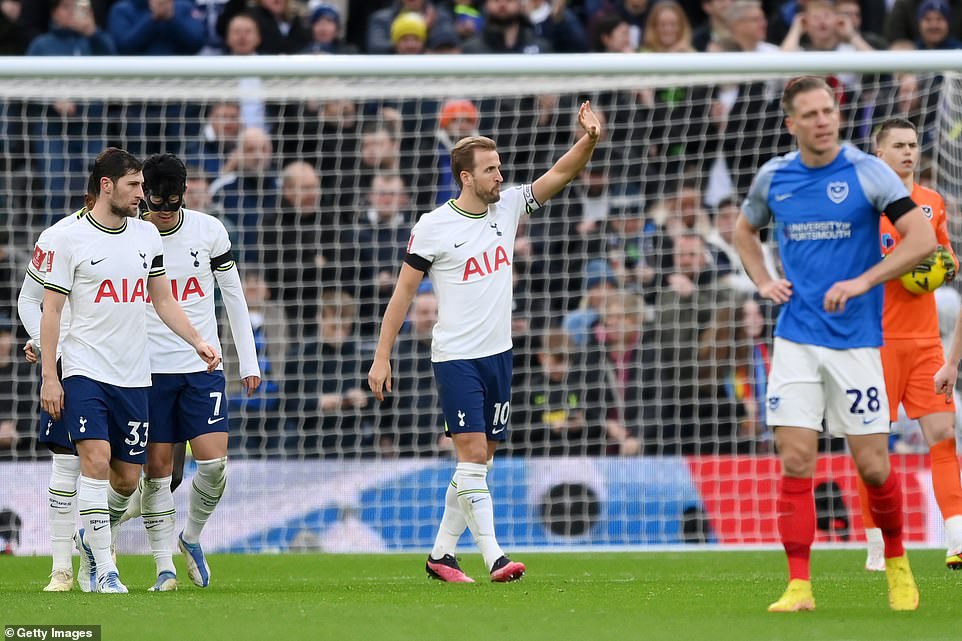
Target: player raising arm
column 826, row 200
column 468, row 246
column 106, row 266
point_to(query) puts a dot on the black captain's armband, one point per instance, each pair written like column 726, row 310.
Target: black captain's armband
column 418, row 263
column 899, row 208
column 223, row 262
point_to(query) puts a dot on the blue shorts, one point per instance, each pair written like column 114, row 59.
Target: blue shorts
column 185, row 406
column 476, row 395
column 54, row 433
column 104, row 412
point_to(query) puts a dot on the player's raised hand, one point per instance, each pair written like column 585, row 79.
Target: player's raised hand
column 945, row 381
column 209, row 354
column 251, row 383
column 840, row 293
column 777, row 290
column 51, row 397
column 589, row 121
column 379, row 377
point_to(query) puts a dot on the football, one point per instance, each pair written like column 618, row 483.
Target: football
column 928, row 275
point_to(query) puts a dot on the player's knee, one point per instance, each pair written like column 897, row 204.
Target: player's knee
column 124, row 484
column 874, row 471
column 797, row 462
column 213, row 471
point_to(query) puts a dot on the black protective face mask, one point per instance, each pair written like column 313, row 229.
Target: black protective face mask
column 167, row 203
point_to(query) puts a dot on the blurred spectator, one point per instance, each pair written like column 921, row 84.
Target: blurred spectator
column 635, row 13
column 736, row 358
column 33, row 16
column 325, row 32
column 558, row 25
column 13, row 37
column 442, row 41
column 411, row 416
column 279, row 23
column 379, row 239
column 65, row 134
column 623, row 353
column 243, row 39
column 933, row 21
column 156, row 28
column 599, row 282
column 667, row 29
column 468, row 21
column 246, row 190
column 610, row 34
column 714, row 28
column 380, row 38
column 722, row 237
column 209, row 12
column 821, row 28
column 851, row 10
column 218, row 138
column 903, row 19
column 747, row 26
column 73, row 32
column 197, row 195
column 457, row 119
column 255, row 422
column 300, row 244
column 17, row 394
column 564, row 409
column 506, row 30
column 10, row 275
column 326, row 392
column 409, row 33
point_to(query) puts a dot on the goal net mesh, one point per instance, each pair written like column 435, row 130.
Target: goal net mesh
column 641, row 351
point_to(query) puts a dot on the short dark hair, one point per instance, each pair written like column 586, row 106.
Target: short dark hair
column 802, row 84
column 462, row 155
column 894, row 123
column 165, row 174
column 112, row 163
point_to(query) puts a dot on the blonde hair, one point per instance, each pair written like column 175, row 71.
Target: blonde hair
column 651, row 42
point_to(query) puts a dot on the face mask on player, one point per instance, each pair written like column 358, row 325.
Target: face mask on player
column 165, row 198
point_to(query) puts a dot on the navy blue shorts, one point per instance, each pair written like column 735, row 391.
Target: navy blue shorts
column 185, row 406
column 104, row 412
column 476, row 395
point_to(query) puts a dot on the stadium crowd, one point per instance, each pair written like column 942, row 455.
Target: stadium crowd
column 636, row 330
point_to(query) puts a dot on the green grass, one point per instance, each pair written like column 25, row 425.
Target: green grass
column 715, row 596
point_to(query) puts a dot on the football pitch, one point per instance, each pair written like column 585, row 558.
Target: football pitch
column 650, row 596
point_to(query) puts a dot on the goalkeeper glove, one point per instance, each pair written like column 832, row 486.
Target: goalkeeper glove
column 926, row 264
column 949, row 261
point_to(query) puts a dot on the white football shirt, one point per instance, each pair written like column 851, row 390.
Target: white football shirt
column 471, row 258
column 189, row 249
column 103, row 272
column 40, row 265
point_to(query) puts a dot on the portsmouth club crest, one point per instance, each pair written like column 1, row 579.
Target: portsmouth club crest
column 837, row 191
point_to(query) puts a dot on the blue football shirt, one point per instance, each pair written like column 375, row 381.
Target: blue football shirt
column 826, row 222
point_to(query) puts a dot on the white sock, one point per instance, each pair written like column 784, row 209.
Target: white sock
column 158, row 509
column 874, row 537
column 62, row 494
column 475, row 500
column 205, row 492
column 132, row 511
column 452, row 524
column 953, row 532
column 116, row 504
column 92, row 504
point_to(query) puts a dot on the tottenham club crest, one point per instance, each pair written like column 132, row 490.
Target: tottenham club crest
column 837, row 191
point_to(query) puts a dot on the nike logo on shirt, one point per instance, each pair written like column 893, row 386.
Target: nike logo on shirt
column 780, row 197
column 456, row 245
column 94, row 262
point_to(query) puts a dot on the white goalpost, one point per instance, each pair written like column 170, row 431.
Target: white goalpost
column 320, row 165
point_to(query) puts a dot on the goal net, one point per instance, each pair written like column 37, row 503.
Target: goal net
column 641, row 351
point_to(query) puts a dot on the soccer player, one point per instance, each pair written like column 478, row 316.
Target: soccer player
column 467, row 244
column 106, row 265
column 65, row 468
column 912, row 353
column 187, row 402
column 826, row 200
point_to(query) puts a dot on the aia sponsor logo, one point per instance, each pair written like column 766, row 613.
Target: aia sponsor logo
column 127, row 291
column 485, row 264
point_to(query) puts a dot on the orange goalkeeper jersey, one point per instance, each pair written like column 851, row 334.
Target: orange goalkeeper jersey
column 907, row 315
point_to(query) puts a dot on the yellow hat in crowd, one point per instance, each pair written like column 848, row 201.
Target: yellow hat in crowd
column 409, row 24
